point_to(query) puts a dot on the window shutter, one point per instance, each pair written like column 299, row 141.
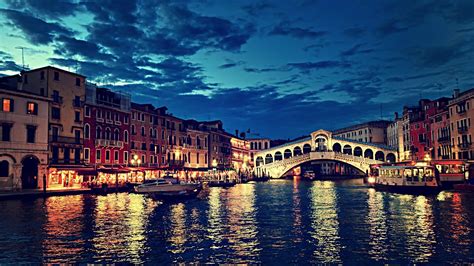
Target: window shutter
column 12, row 105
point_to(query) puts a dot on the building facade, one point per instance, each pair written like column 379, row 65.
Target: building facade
column 240, row 149
column 106, row 127
column 23, row 139
column 220, row 155
column 369, row 132
column 461, row 114
column 395, row 135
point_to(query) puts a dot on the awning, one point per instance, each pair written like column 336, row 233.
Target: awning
column 113, row 170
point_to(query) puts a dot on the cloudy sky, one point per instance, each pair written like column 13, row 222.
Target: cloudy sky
column 280, row 68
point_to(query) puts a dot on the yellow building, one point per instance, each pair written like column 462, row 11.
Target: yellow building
column 66, row 91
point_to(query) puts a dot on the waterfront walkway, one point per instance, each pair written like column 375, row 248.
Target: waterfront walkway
column 36, row 193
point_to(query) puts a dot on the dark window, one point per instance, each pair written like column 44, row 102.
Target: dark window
column 4, row 168
column 55, row 113
column 86, row 154
column 55, row 133
column 56, row 75
column 32, row 108
column 116, row 155
column 77, row 136
column 144, row 146
column 133, row 145
column 77, row 155
column 6, row 128
column 25, row 79
column 143, row 131
column 78, row 82
column 55, row 154
column 77, row 116
column 107, row 155
column 7, row 105
column 42, row 75
column 97, row 156
column 42, row 91
column 77, row 101
column 152, row 147
column 67, row 155
column 87, row 111
column 30, row 133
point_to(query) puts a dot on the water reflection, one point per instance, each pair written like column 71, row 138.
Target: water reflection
column 417, row 227
column 283, row 222
column 376, row 219
column 324, row 222
column 63, row 229
column 242, row 235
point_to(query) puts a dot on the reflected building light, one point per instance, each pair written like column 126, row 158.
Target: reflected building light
column 377, row 222
column 325, row 223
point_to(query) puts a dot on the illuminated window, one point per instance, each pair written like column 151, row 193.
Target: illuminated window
column 32, row 108
column 7, row 105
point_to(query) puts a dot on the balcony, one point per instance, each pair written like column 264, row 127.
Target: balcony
column 65, row 140
column 461, row 111
column 109, row 121
column 57, row 99
column 443, row 139
column 99, row 119
column 463, row 129
column 69, row 161
column 118, row 123
column 109, row 143
column 464, row 145
column 77, row 103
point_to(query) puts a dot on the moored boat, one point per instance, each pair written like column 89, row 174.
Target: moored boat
column 165, row 189
column 221, row 183
column 406, row 179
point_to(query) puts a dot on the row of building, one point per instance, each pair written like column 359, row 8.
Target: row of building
column 437, row 129
column 58, row 130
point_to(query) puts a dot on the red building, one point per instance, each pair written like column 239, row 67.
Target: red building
column 106, row 127
column 421, row 136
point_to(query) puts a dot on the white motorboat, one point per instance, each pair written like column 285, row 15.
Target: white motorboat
column 164, row 189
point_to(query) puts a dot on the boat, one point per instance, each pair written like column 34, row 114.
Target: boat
column 311, row 175
column 221, row 183
column 406, row 179
column 165, row 189
column 451, row 172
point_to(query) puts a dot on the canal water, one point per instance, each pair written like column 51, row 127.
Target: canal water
column 278, row 222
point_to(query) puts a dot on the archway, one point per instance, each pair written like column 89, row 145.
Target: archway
column 278, row 156
column 321, row 142
column 259, row 161
column 368, row 153
column 379, row 156
column 347, row 149
column 287, row 154
column 321, row 168
column 4, row 168
column 268, row 159
column 336, row 147
column 29, row 172
column 297, row 151
column 358, row 151
column 391, row 158
column 306, row 148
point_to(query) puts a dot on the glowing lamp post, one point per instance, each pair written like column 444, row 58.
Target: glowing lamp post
column 136, row 161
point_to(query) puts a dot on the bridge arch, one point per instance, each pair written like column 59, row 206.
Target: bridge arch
column 278, row 156
column 306, row 148
column 340, row 165
column 268, row 159
column 287, row 154
column 368, row 153
column 297, row 151
column 336, row 147
column 358, row 151
column 259, row 161
column 380, row 156
column 391, row 157
column 347, row 149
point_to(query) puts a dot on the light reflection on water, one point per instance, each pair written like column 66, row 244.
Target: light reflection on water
column 279, row 222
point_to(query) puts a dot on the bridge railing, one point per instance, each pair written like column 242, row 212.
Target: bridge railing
column 329, row 155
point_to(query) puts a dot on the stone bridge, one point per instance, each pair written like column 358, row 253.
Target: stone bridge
column 277, row 161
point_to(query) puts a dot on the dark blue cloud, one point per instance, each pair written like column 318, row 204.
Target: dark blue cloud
column 286, row 29
column 36, row 30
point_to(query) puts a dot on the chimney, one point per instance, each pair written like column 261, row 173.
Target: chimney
column 237, row 133
column 456, row 93
column 396, row 115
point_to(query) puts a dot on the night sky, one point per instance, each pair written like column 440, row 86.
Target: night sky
column 280, row 68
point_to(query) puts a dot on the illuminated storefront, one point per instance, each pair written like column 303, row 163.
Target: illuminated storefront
column 63, row 178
